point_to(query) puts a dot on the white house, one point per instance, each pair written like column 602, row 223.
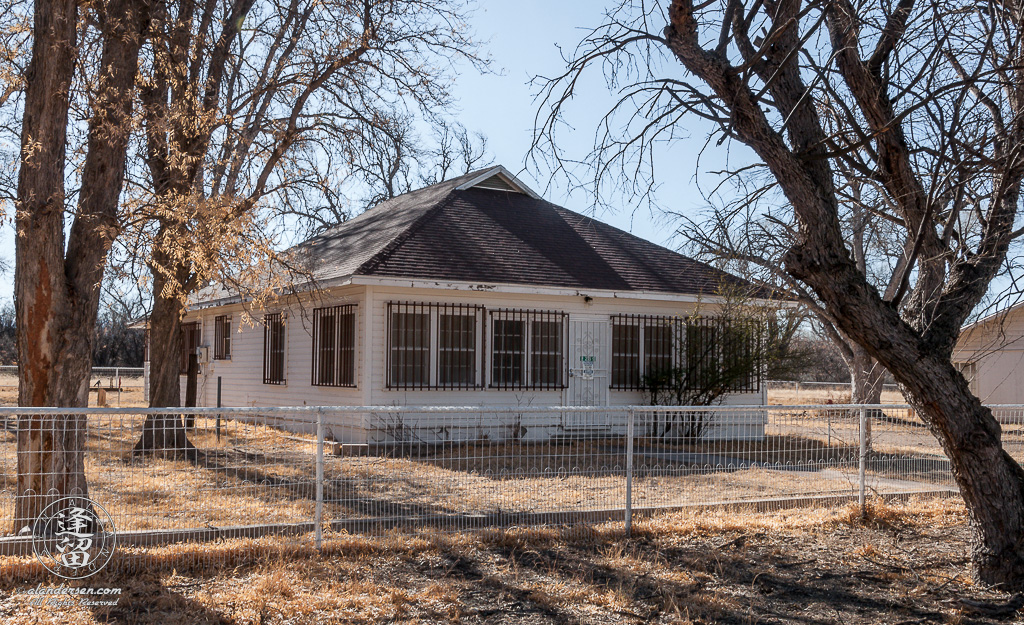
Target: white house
column 990, row 354
column 474, row 291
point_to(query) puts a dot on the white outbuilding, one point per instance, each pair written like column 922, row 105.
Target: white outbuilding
column 990, row 354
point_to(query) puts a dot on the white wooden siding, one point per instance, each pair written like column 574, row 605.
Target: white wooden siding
column 997, row 348
column 574, row 305
column 242, row 375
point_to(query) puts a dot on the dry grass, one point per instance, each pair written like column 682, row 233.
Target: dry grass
column 262, row 474
column 904, row 563
column 129, row 397
column 809, row 396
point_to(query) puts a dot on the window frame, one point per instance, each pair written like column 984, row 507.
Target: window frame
column 222, row 337
column 711, row 331
column 278, row 319
column 434, row 362
column 643, row 356
column 335, row 375
column 529, row 354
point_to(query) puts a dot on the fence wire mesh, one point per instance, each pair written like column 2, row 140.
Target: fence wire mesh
column 182, row 479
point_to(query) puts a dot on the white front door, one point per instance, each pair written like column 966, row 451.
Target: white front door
column 589, row 369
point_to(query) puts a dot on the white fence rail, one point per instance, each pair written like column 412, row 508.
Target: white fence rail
column 315, row 472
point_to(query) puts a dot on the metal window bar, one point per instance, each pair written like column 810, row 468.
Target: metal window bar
column 273, row 348
column 458, row 339
column 434, row 345
column 222, row 337
column 546, row 353
column 626, row 353
column 529, row 349
column 659, row 347
column 408, row 345
column 642, row 345
column 334, row 346
column 709, row 350
column 190, row 335
column 702, row 361
column 736, row 353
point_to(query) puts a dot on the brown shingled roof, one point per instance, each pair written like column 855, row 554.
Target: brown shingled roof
column 457, row 231
column 490, row 236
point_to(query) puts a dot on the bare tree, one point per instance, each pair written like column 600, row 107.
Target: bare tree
column 748, row 237
column 8, row 335
column 256, row 114
column 391, row 161
column 56, row 276
column 924, row 102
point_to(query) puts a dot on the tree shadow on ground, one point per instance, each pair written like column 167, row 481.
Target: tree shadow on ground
column 255, row 468
column 146, row 598
column 839, row 571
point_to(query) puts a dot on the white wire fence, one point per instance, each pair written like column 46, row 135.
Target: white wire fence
column 811, row 388
column 311, row 474
column 104, row 377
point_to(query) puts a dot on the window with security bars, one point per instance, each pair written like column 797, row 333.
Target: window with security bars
column 741, row 356
column 641, row 345
column 456, row 348
column 703, row 352
column 708, row 351
column 334, row 346
column 273, row 348
column 222, row 337
column 528, row 349
column 434, row 345
column 190, row 336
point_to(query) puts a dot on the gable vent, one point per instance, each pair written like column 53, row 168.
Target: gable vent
column 496, row 183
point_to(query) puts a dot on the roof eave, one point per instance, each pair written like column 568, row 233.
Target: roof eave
column 528, row 289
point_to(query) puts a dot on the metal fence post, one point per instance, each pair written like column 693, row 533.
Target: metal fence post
column 630, row 417
column 218, row 405
column 862, row 469
column 318, row 516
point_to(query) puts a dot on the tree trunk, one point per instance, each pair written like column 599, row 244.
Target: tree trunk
column 991, row 482
column 57, row 285
column 47, row 455
column 867, row 377
column 164, row 433
column 51, row 463
column 917, row 352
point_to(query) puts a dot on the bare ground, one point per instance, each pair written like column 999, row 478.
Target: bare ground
column 905, row 564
